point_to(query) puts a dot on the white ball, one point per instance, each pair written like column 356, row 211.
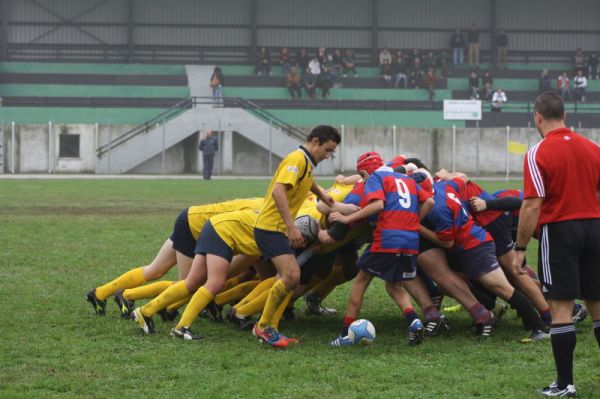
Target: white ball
column 361, row 332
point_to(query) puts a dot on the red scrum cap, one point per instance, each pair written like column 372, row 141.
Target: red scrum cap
column 398, row 160
column 369, row 162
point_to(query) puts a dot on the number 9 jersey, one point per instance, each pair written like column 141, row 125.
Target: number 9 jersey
column 397, row 228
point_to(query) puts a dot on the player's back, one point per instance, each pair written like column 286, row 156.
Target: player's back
column 236, row 229
column 198, row 215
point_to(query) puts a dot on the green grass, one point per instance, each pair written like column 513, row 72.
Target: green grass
column 61, row 237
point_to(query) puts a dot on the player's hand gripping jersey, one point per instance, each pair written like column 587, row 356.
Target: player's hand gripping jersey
column 470, row 190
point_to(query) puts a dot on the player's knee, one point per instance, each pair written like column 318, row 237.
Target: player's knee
column 291, row 278
column 151, row 273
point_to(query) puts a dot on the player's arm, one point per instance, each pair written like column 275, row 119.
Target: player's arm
column 425, row 207
column 528, row 221
column 371, row 209
column 344, row 209
column 323, row 196
column 294, row 235
column 433, row 237
column 445, row 175
column 509, row 203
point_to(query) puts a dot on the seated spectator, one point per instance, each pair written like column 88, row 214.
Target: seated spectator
column 263, row 65
column 545, row 83
column 416, row 74
column 579, row 86
column 315, row 66
column 293, row 83
column 399, row 70
column 498, row 100
column 336, row 61
column 563, row 86
column 474, row 85
column 309, row 82
column 428, row 61
column 578, row 60
column 216, row 83
column 429, row 81
column 302, row 60
column 487, row 81
column 593, row 67
column 322, row 56
column 385, row 58
column 387, row 74
column 414, row 53
column 443, row 63
column 284, row 60
column 348, row 64
column 325, row 81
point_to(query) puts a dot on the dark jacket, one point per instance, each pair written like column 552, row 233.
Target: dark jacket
column 501, row 40
column 457, row 41
column 209, row 146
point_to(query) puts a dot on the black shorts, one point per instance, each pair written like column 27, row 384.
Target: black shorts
column 501, row 231
column 424, row 244
column 272, row 243
column 475, row 262
column 183, row 240
column 209, row 242
column 389, row 266
column 319, row 265
column 569, row 259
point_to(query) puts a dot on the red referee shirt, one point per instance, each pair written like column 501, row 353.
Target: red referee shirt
column 564, row 170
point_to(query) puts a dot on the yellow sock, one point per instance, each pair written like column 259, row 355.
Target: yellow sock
column 279, row 313
column 232, row 282
column 252, row 307
column 277, row 295
column 335, row 278
column 178, row 304
column 237, row 292
column 147, row 291
column 201, row 298
column 263, row 286
column 173, row 294
column 131, row 279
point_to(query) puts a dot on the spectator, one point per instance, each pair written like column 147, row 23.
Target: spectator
column 284, row 60
column 487, row 81
column 563, row 86
column 474, row 85
column 322, row 56
column 209, row 146
column 325, row 81
column 578, row 60
column 385, row 58
column 473, row 39
column 428, row 61
column 443, row 62
column 336, row 60
column 399, row 70
column 414, row 53
column 293, row 83
column 216, row 83
column 387, row 74
column 579, row 86
column 309, row 81
column 457, row 44
column 429, row 81
column 263, row 65
column 501, row 44
column 416, row 74
column 593, row 67
column 303, row 60
column 315, row 66
column 545, row 82
column 348, row 64
column 498, row 100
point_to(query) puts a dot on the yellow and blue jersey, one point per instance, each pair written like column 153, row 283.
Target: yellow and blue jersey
column 198, row 215
column 236, row 229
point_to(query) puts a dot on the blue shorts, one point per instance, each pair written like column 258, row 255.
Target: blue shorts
column 209, row 242
column 272, row 243
column 475, row 262
column 389, row 266
column 183, row 240
column 501, row 231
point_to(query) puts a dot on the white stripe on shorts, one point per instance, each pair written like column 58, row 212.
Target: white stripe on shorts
column 546, row 256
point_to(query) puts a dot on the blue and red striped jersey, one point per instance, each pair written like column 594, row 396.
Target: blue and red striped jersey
column 471, row 190
column 452, row 221
column 397, row 228
column 510, row 193
column 357, row 195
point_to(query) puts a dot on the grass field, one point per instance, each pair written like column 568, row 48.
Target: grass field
column 60, row 238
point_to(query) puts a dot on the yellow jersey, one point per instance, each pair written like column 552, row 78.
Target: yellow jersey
column 296, row 171
column 236, row 229
column 339, row 191
column 198, row 215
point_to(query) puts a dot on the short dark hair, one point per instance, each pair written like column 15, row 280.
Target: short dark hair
column 325, row 133
column 417, row 162
column 550, row 105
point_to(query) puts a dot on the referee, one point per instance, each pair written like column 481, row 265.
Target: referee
column 562, row 204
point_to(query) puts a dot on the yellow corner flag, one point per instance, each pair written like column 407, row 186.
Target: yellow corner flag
column 515, row 147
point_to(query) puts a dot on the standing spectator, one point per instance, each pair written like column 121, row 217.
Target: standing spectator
column 473, row 39
column 498, row 100
column 545, row 83
column 385, row 58
column 293, row 82
column 263, row 65
column 563, row 86
column 457, row 44
column 348, row 64
column 322, row 56
column 443, row 62
column 429, row 81
column 284, row 60
column 309, row 81
column 501, row 44
column 579, row 85
column 209, row 146
column 325, row 81
column 561, row 185
column 416, row 74
column 487, row 81
column 315, row 66
column 216, row 83
column 303, row 60
column 578, row 60
column 593, row 67
column 474, row 85
column 336, row 60
column 399, row 70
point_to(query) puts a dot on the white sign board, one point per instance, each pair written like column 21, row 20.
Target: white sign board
column 464, row 110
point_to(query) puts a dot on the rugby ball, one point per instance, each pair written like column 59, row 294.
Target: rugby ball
column 361, row 332
column 309, row 227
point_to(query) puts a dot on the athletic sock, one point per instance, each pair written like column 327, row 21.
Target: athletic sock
column 596, row 325
column 131, row 279
column 147, row 291
column 483, row 295
column 252, row 307
column 263, row 286
column 279, row 313
column 173, row 294
column 546, row 316
column 237, row 292
column 232, row 282
column 174, row 306
column 278, row 294
column 431, row 313
column 530, row 315
column 201, row 298
column 410, row 315
column 479, row 313
column 563, row 340
column 335, row 278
